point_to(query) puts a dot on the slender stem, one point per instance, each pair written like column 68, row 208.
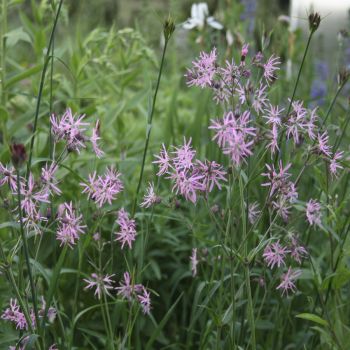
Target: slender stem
column 3, row 50
column 279, row 154
column 26, row 251
column 246, row 268
column 149, row 127
column 3, row 95
column 41, row 87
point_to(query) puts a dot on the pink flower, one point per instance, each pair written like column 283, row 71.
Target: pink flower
column 203, row 71
column 334, row 165
column 184, row 156
column 31, row 198
column 163, row 161
column 69, row 225
column 260, row 99
column 297, row 122
column 212, row 173
column 322, row 144
column 49, row 180
column 70, row 129
column 8, row 176
column 313, row 212
column 127, row 232
column 187, row 184
column 145, row 301
column 253, row 212
column 150, row 197
column 276, row 179
column 126, row 289
column 194, row 262
column 270, row 67
column 94, row 140
column 232, row 134
column 103, row 189
column 101, row 283
column 14, row 314
column 287, row 281
column 273, row 137
column 273, row 115
column 244, row 51
column 274, row 254
column 297, row 251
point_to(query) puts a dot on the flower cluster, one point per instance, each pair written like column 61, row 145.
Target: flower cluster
column 127, row 229
column 72, row 130
column 15, row 315
column 275, row 254
column 137, row 292
column 282, row 190
column 234, row 135
column 103, row 189
column 189, row 176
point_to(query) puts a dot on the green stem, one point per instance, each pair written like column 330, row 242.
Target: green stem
column 246, row 268
column 149, row 127
column 26, row 251
column 279, row 154
column 3, row 95
column 41, row 87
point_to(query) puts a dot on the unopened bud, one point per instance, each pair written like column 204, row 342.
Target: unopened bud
column 343, row 76
column 169, row 28
column 314, row 21
column 18, row 154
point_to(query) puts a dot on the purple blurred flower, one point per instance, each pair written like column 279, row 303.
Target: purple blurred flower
column 313, row 212
column 194, row 262
column 8, row 176
column 94, row 140
column 127, row 229
column 334, row 165
column 69, row 225
column 270, row 68
column 274, row 254
column 212, row 173
column 145, row 301
column 69, row 128
column 150, row 198
column 253, row 212
column 126, row 289
column 49, row 180
column 163, row 161
column 297, row 251
column 287, row 281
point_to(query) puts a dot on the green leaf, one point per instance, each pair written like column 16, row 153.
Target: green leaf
column 313, row 318
column 16, row 35
column 162, row 323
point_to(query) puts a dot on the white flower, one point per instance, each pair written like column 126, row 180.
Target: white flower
column 200, row 16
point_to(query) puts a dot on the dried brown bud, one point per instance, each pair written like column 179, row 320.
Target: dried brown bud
column 314, row 21
column 18, row 154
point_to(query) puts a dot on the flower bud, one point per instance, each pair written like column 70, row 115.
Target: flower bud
column 18, row 154
column 168, row 28
column 314, row 21
column 343, row 76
